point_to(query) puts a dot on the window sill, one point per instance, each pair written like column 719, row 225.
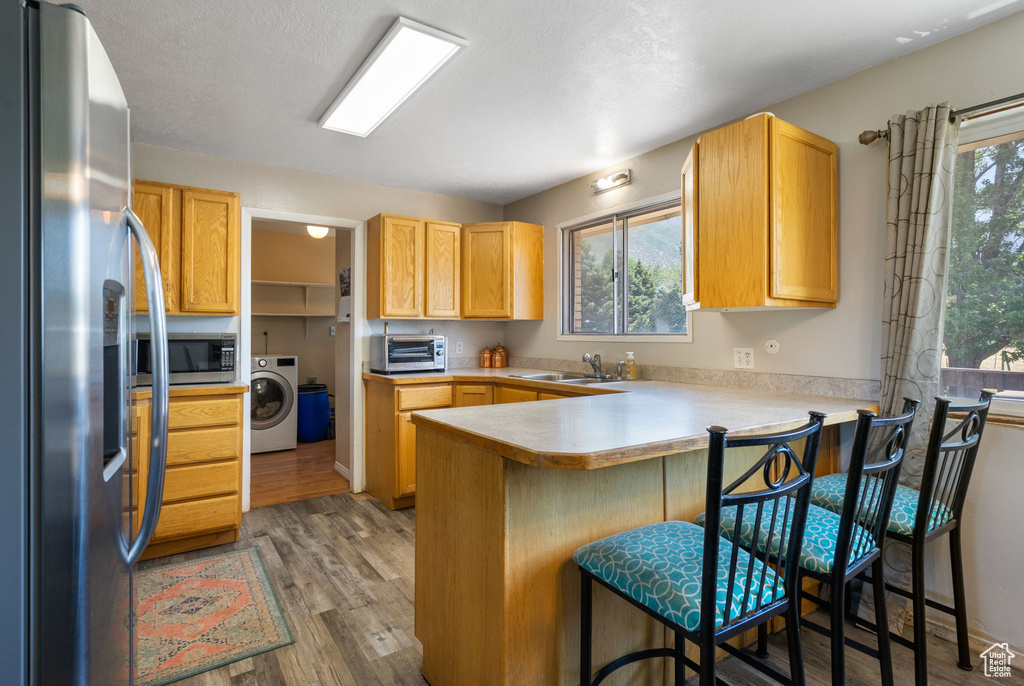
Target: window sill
column 628, row 338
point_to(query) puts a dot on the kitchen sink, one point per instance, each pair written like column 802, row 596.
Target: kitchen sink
column 582, row 381
column 553, row 376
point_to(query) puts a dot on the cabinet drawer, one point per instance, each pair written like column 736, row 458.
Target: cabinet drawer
column 203, row 445
column 421, row 397
column 185, row 414
column 198, row 481
column 508, row 394
column 186, row 519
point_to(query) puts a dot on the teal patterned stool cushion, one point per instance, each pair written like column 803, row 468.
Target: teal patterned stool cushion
column 660, row 567
column 828, row 492
column 820, row 535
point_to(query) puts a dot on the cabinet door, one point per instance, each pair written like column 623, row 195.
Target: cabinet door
column 803, row 224
column 487, row 271
column 401, row 267
column 210, row 251
column 508, row 394
column 405, row 476
column 154, row 205
column 443, row 262
column 732, row 243
column 689, row 213
column 471, row 395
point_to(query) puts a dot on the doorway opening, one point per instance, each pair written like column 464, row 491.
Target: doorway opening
column 298, row 346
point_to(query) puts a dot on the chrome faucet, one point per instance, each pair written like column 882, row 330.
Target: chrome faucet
column 595, row 362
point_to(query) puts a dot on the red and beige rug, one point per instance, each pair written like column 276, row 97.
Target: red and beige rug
column 196, row 616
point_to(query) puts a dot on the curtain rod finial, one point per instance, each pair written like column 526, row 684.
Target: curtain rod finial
column 869, row 137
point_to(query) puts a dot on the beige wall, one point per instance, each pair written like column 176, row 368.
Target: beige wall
column 276, row 188
column 292, row 257
column 289, row 336
column 975, row 67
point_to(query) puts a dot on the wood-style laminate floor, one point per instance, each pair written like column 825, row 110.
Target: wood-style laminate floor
column 342, row 567
column 289, row 475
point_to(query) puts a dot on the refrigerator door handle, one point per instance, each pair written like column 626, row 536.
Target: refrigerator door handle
column 158, row 417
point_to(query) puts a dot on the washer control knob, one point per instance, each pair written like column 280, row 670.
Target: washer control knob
column 262, row 363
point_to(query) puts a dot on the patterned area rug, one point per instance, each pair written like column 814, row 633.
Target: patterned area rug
column 199, row 615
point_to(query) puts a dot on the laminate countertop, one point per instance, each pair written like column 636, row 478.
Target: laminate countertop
column 629, row 421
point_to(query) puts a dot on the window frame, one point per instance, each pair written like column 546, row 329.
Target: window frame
column 978, row 128
column 565, row 230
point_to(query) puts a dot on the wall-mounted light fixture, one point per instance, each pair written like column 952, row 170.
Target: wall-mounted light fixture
column 616, row 180
column 316, row 231
column 408, row 55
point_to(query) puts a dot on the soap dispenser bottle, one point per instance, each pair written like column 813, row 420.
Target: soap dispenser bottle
column 630, row 367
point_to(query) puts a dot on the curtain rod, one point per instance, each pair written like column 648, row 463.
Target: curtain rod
column 868, row 137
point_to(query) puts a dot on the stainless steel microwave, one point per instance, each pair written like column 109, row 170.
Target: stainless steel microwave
column 391, row 353
column 191, row 358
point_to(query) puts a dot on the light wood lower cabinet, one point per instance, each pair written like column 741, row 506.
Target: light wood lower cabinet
column 471, row 395
column 202, row 499
column 391, row 435
column 511, row 394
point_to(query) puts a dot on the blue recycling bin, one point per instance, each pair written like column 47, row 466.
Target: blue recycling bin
column 314, row 412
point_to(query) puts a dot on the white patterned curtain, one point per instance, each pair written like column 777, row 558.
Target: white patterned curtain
column 922, row 152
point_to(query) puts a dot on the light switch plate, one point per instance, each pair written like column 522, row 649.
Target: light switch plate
column 332, row 330
column 743, row 358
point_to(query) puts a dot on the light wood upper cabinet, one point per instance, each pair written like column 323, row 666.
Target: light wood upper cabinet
column 423, row 268
column 197, row 233
column 766, row 226
column 503, row 271
column 210, row 251
column 155, row 206
column 442, row 269
column 690, row 187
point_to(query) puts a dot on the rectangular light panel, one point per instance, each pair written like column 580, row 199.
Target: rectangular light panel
column 408, row 55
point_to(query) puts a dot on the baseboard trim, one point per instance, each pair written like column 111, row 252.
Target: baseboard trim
column 343, row 470
column 979, row 639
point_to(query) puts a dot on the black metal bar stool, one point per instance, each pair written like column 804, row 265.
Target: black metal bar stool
column 935, row 509
column 699, row 585
column 839, row 547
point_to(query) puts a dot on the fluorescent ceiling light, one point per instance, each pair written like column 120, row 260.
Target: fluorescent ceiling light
column 408, row 55
column 316, row 231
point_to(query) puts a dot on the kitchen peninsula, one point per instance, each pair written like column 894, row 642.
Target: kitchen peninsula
column 504, row 495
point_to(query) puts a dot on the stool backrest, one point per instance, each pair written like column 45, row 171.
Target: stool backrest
column 949, row 462
column 765, row 488
column 879, row 446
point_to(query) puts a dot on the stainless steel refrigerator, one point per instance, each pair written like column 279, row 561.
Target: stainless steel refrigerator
column 66, row 257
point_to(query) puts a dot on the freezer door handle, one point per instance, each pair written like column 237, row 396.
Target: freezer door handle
column 158, row 359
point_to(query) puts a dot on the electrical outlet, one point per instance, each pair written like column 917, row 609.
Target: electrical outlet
column 772, row 347
column 332, row 330
column 743, row 358
column 458, row 347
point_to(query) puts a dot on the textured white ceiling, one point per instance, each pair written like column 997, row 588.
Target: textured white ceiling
column 545, row 92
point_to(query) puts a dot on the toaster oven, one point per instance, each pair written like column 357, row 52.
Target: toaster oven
column 395, row 353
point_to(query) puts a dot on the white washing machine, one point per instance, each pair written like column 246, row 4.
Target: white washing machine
column 273, row 402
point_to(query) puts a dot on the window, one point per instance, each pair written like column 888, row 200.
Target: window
column 622, row 274
column 984, row 326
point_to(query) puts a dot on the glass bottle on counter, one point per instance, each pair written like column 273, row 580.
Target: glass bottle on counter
column 630, row 367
